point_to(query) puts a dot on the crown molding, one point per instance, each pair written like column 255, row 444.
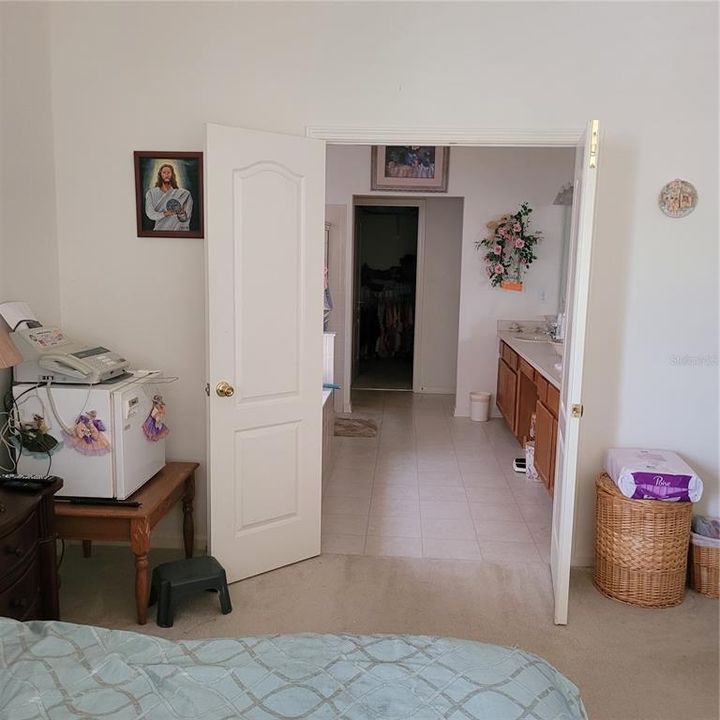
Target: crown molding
column 487, row 137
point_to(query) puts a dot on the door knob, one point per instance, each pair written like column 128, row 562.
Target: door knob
column 224, row 389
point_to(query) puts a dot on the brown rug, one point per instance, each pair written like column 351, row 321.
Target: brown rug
column 355, row 427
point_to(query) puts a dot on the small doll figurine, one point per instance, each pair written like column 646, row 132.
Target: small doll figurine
column 154, row 426
column 34, row 438
column 87, row 436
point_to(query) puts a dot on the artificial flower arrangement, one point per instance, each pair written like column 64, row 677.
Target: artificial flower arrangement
column 510, row 248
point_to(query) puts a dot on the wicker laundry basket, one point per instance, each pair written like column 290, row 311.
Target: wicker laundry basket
column 641, row 547
column 705, row 569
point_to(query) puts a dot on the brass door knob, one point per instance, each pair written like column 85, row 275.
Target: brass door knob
column 224, row 389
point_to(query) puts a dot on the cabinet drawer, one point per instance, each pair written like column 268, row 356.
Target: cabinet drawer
column 527, row 369
column 16, row 546
column 19, row 601
column 509, row 356
column 553, row 399
column 542, row 385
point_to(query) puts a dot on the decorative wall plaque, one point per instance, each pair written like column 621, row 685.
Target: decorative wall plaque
column 678, row 198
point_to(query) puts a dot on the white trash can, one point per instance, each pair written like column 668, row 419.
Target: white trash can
column 479, row 406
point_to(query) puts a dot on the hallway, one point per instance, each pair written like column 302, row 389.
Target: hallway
column 432, row 485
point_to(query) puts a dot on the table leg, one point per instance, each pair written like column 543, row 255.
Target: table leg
column 188, row 524
column 87, row 548
column 140, row 545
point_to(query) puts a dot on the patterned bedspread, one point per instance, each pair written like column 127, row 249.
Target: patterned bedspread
column 56, row 670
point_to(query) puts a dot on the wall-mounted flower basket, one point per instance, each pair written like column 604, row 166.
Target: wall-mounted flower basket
column 510, row 249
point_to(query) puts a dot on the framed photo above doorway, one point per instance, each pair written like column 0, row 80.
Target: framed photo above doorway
column 414, row 168
column 169, row 194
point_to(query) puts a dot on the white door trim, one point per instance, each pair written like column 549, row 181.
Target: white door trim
column 488, row 137
column 419, row 271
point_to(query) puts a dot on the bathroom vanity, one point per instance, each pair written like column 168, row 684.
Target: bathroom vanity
column 529, row 383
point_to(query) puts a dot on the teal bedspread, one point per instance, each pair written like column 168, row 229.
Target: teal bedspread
column 56, row 670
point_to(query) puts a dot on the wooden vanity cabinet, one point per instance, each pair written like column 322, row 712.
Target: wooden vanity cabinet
column 522, row 391
column 506, row 396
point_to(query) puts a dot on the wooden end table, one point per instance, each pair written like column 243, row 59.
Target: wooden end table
column 176, row 481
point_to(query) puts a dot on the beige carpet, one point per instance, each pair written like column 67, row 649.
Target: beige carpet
column 629, row 663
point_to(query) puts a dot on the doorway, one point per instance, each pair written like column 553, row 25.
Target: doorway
column 385, row 271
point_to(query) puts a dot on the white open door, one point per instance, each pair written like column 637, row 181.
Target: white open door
column 583, row 216
column 265, row 212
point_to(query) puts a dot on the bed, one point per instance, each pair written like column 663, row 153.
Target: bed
column 56, row 670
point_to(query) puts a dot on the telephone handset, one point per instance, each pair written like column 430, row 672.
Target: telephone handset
column 66, row 365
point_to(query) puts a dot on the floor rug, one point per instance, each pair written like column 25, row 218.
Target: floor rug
column 355, row 427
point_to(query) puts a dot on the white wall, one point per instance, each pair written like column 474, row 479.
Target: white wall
column 441, row 294
column 118, row 85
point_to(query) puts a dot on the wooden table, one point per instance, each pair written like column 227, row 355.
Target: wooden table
column 176, row 481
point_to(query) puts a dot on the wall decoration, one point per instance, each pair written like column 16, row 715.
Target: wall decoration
column 510, row 248
column 678, row 198
column 415, row 168
column 169, row 194
column 88, row 436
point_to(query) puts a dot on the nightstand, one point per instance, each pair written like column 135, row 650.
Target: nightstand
column 28, row 559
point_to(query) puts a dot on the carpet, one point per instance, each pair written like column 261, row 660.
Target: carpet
column 355, row 427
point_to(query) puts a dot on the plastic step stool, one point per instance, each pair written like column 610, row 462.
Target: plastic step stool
column 172, row 581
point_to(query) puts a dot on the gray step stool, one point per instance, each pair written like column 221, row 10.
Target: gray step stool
column 172, row 581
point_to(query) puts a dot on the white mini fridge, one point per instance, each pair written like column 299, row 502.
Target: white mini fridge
column 109, row 463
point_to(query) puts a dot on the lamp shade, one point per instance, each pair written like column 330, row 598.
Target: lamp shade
column 9, row 355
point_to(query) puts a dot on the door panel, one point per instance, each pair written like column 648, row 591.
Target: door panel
column 583, row 218
column 265, row 277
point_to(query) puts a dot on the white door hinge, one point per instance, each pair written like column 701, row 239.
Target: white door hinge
column 593, row 144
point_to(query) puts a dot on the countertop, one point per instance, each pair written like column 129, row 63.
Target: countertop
column 541, row 355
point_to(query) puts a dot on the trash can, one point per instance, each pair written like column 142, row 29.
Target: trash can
column 479, row 406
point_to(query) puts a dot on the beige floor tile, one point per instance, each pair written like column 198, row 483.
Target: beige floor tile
column 533, row 513
column 448, row 528
column 393, row 546
column 396, row 477
column 451, row 549
column 476, row 493
column 503, row 531
column 336, row 488
column 506, row 512
column 443, row 509
column 345, row 506
column 355, row 475
column 395, row 492
column 496, row 496
column 440, row 479
column 450, row 493
column 437, row 466
column 344, row 524
column 343, row 544
column 394, row 508
column 509, row 552
column 395, row 525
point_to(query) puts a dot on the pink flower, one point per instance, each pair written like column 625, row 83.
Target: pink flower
column 497, row 250
column 519, row 243
column 499, row 269
column 516, row 227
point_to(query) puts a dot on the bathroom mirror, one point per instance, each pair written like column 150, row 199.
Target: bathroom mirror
column 564, row 198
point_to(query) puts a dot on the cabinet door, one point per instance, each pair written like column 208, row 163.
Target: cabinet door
column 544, row 445
column 507, row 392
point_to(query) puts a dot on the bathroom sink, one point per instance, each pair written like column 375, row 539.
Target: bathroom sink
column 530, row 337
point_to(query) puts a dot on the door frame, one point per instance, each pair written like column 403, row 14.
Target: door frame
column 439, row 135
column 468, row 137
column 397, row 201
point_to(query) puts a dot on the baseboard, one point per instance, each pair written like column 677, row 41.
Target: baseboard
column 436, row 391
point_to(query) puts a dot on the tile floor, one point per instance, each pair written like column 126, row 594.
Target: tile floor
column 432, row 485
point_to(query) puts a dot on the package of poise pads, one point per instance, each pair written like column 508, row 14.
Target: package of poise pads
column 653, row 475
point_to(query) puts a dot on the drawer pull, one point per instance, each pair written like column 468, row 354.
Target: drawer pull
column 17, row 550
column 19, row 603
